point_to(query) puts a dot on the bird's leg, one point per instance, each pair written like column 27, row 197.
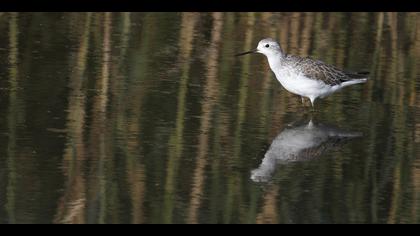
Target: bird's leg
column 312, row 104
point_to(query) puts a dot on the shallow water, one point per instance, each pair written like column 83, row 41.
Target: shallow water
column 148, row 118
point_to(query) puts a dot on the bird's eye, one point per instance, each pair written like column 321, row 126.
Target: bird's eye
column 267, row 45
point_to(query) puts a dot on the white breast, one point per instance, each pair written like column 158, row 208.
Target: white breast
column 299, row 84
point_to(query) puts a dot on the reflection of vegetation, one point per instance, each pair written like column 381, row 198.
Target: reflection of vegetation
column 210, row 93
column 73, row 201
column 188, row 23
column 162, row 124
column 12, row 118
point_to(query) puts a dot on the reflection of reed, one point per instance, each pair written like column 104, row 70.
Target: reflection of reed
column 133, row 108
column 412, row 58
column 72, row 204
column 125, row 34
column 97, row 192
column 305, row 40
column 243, row 85
column 127, row 123
column 395, row 200
column 268, row 77
column 104, row 83
column 393, row 69
column 377, row 50
column 269, row 214
column 232, row 183
column 294, row 33
column 284, row 29
column 210, row 98
column 416, row 103
column 415, row 176
column 10, row 206
column 101, row 112
column 186, row 37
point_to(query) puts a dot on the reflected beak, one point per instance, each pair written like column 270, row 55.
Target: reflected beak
column 244, row 53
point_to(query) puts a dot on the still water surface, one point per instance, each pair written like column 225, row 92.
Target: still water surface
column 148, row 118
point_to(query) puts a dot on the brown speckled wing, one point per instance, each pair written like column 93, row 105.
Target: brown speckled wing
column 318, row 70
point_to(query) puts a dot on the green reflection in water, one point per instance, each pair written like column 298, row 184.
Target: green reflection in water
column 148, row 118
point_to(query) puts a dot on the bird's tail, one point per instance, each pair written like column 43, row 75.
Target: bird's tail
column 355, row 78
column 353, row 81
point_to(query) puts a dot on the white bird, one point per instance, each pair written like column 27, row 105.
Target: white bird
column 305, row 76
column 300, row 143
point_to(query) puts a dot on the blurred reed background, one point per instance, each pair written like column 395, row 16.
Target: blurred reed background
column 148, row 118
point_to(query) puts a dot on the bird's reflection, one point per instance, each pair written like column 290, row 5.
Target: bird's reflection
column 300, row 143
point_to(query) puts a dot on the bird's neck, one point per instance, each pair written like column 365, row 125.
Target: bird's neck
column 275, row 61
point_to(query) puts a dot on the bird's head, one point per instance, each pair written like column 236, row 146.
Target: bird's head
column 267, row 46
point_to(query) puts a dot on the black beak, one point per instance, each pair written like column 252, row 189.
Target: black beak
column 244, row 53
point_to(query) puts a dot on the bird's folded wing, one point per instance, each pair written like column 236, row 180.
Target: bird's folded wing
column 319, row 70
